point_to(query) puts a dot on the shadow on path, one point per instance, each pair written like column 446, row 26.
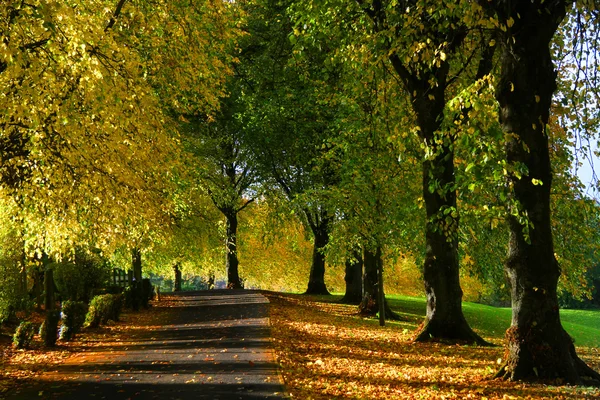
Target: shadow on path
column 197, row 345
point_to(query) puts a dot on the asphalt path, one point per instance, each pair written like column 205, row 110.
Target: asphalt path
column 201, row 345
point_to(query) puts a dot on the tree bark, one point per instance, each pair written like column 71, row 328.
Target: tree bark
column 231, row 261
column 444, row 318
column 353, row 278
column 23, row 282
column 177, row 271
column 49, row 299
column 49, row 329
column 370, row 303
column 316, row 280
column 136, row 269
column 136, row 264
column 538, row 347
column 426, row 84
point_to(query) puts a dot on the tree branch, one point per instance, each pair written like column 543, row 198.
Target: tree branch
column 245, row 205
column 113, row 18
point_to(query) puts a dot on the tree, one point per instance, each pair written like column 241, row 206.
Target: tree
column 285, row 80
column 433, row 36
column 227, row 172
column 191, row 72
column 376, row 196
column 353, row 277
column 538, row 346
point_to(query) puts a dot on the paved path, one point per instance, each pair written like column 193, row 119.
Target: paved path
column 205, row 345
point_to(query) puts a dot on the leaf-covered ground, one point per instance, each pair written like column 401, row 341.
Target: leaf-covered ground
column 21, row 366
column 326, row 351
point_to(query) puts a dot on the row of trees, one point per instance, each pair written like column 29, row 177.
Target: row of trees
column 415, row 128
column 478, row 84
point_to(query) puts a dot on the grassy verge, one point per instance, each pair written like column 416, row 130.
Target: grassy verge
column 326, row 351
column 492, row 322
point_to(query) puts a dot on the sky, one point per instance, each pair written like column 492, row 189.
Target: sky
column 589, row 173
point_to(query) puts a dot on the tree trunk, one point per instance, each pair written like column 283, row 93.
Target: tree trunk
column 369, row 305
column 23, row 281
column 444, row 318
column 136, row 264
column 232, row 263
column 49, row 299
column 177, row 287
column 316, row 280
column 538, row 346
column 49, row 329
column 136, row 269
column 353, row 278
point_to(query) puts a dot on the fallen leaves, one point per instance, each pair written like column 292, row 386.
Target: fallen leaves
column 326, row 351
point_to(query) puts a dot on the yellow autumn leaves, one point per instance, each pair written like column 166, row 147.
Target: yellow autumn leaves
column 85, row 131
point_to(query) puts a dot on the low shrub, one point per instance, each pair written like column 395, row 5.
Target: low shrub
column 49, row 328
column 23, row 335
column 129, row 297
column 13, row 296
column 72, row 319
column 104, row 308
column 116, row 307
column 76, row 280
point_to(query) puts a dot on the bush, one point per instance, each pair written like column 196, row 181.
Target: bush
column 116, row 307
column 128, row 297
column 23, row 335
column 72, row 319
column 104, row 308
column 76, row 280
column 49, row 329
column 12, row 295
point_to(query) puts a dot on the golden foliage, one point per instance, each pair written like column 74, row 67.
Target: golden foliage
column 88, row 151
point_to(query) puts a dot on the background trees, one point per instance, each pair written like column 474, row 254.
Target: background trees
column 289, row 118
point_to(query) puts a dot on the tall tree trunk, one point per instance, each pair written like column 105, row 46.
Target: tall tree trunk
column 231, row 261
column 136, row 269
column 49, row 298
column 136, row 264
column 370, row 304
column 49, row 329
column 23, row 281
column 177, row 271
column 353, row 278
column 444, row 318
column 538, row 346
column 316, row 280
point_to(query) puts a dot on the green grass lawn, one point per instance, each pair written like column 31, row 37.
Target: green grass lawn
column 582, row 325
